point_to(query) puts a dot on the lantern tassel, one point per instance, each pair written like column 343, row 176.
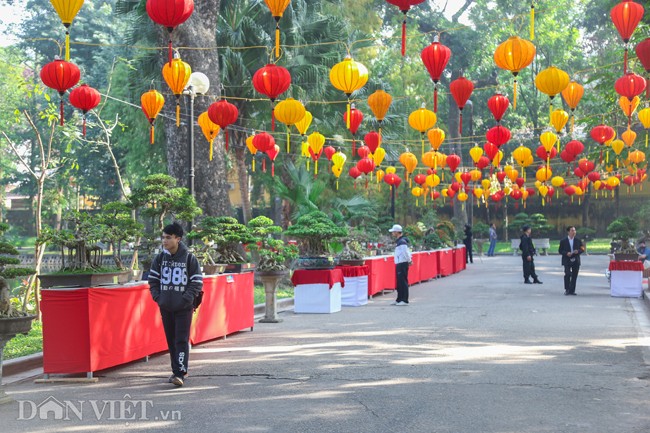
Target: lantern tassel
column 212, row 141
column 460, row 124
column 315, row 168
column 67, row 45
column 532, row 21
column 646, row 139
column 169, row 48
column 253, row 164
column 347, row 117
column 263, row 164
column 422, row 137
column 514, row 102
column 151, row 134
column 435, row 98
column 84, row 126
column 277, row 38
column 272, row 117
column 337, row 184
column 226, row 140
column 272, row 169
column 404, row 34
column 61, row 112
column 354, row 146
column 572, row 123
column 178, row 113
column 288, row 141
column 625, row 60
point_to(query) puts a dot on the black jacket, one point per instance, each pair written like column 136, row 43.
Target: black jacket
column 526, row 246
column 174, row 281
column 565, row 248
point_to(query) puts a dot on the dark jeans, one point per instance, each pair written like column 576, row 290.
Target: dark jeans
column 529, row 269
column 493, row 244
column 468, row 252
column 570, row 276
column 402, row 279
column 177, row 331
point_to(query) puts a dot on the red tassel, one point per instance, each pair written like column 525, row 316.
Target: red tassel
column 272, row 118
column 264, row 165
column 460, row 124
column 625, row 61
column 226, row 140
column 354, row 146
column 404, row 35
column 435, row 98
column 272, row 169
column 61, row 112
column 84, row 126
column 151, row 134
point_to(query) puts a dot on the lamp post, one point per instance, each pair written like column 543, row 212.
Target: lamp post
column 198, row 84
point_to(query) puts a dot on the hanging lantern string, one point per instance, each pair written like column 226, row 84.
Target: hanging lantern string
column 67, row 42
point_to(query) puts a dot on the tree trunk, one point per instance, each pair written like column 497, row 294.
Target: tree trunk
column 460, row 214
column 211, row 177
column 242, row 174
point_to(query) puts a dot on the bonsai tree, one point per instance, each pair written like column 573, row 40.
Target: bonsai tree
column 273, row 253
column 481, row 230
column 9, row 269
column 536, row 221
column 623, row 229
column 415, row 233
column 446, row 231
column 118, row 227
column 314, row 230
column 227, row 235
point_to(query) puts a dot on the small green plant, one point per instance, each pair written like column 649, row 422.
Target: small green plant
column 9, row 269
column 314, row 230
column 274, row 254
column 227, row 235
column 623, row 229
column 415, row 233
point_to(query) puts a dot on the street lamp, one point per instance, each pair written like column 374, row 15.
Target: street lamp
column 198, row 84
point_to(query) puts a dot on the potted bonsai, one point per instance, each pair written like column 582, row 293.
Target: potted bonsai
column 228, row 237
column 314, row 231
column 622, row 230
column 120, row 227
column 12, row 320
column 274, row 256
column 352, row 254
column 81, row 256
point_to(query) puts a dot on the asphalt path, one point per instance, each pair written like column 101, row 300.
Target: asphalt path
column 475, row 352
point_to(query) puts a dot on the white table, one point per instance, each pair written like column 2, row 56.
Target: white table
column 317, row 298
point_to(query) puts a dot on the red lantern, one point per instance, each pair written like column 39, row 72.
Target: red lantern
column 223, row 113
column 170, row 13
column 570, row 190
column 602, row 134
column 520, row 181
column 574, row 147
column 461, row 89
column 263, row 141
column 643, row 52
column 363, row 152
column 356, row 117
column 483, row 162
column 578, row 172
column 85, row 98
column 626, row 16
column 365, row 166
column 372, row 140
column 60, row 76
column 271, row 81
column 630, row 85
column 501, row 175
column 498, row 135
column 586, row 166
column 273, row 153
column 354, row 172
column 453, row 161
column 435, row 58
column 404, row 6
column 516, row 194
column 420, row 179
column 498, row 104
column 466, row 177
column 329, row 152
column 498, row 196
column 593, row 176
column 543, row 154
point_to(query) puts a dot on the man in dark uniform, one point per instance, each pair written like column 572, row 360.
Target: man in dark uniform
column 527, row 254
column 570, row 249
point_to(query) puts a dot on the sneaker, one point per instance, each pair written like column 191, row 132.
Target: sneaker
column 177, row 381
column 171, row 378
column 401, row 303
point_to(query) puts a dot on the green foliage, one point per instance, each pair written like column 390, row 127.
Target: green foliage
column 537, row 222
column 23, row 345
column 446, row 232
column 432, row 240
column 624, row 229
column 481, row 230
column 415, row 233
column 227, row 235
column 315, row 230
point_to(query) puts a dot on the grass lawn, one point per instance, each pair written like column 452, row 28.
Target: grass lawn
column 23, row 345
column 595, row 246
column 282, row 292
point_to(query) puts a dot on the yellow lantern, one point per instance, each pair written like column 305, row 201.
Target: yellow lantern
column 378, row 156
column 338, row 159
column 551, row 81
column 441, row 160
column 209, row 129
column 390, row 170
column 417, row 192
column 67, row 11
column 557, row 181
column 379, row 175
column 485, row 183
column 152, row 102
column 628, row 137
column 421, row 120
column 289, row 112
column 432, row 180
column 514, row 55
column 252, row 149
column 548, row 140
column 644, row 118
column 316, row 141
column 617, row 146
column 476, row 175
column 303, row 124
column 429, row 159
column 458, row 176
column 543, row 174
column 348, row 76
column 478, row 192
column 379, row 102
column 543, row 190
column 572, row 95
column 462, row 196
column 436, row 137
column 511, row 172
column 496, row 161
column 409, row 161
column 559, row 119
column 177, row 74
column 475, row 153
column 336, row 171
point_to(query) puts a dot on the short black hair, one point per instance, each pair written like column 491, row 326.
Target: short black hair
column 174, row 229
column 525, row 228
column 568, row 229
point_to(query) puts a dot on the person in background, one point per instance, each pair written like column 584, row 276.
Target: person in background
column 644, row 253
column 570, row 250
column 468, row 244
column 402, row 262
column 527, row 253
column 493, row 240
column 175, row 279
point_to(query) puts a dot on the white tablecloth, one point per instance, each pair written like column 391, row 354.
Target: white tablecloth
column 317, row 298
column 626, row 284
column 355, row 292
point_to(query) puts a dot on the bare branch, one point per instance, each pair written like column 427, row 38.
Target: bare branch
column 461, row 11
column 13, row 147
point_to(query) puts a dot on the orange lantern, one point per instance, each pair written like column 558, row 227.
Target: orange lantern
column 629, row 107
column 628, row 137
column 277, row 8
column 152, row 102
column 572, row 95
column 209, row 129
column 177, row 74
column 409, row 161
column 379, row 102
column 252, row 149
column 436, row 137
column 514, row 55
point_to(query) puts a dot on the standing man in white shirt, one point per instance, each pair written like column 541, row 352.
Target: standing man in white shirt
column 402, row 262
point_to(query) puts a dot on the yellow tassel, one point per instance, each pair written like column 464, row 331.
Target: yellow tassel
column 288, row 141
column 151, row 134
column 347, row 117
column 337, row 184
column 67, row 46
column 607, row 158
column 178, row 114
column 646, row 139
column 277, row 40
column 316, row 167
column 572, row 123
column 532, row 22
column 542, row 201
column 211, row 150
column 514, row 102
column 422, row 136
column 417, row 202
column 253, row 164
column 550, row 110
column 308, row 161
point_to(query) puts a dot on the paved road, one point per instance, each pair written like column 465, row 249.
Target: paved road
column 475, row 352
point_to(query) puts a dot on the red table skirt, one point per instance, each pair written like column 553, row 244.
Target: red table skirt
column 381, row 274
column 460, row 258
column 446, row 262
column 625, row 266
column 319, row 276
column 353, row 271
column 428, row 265
column 90, row 329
